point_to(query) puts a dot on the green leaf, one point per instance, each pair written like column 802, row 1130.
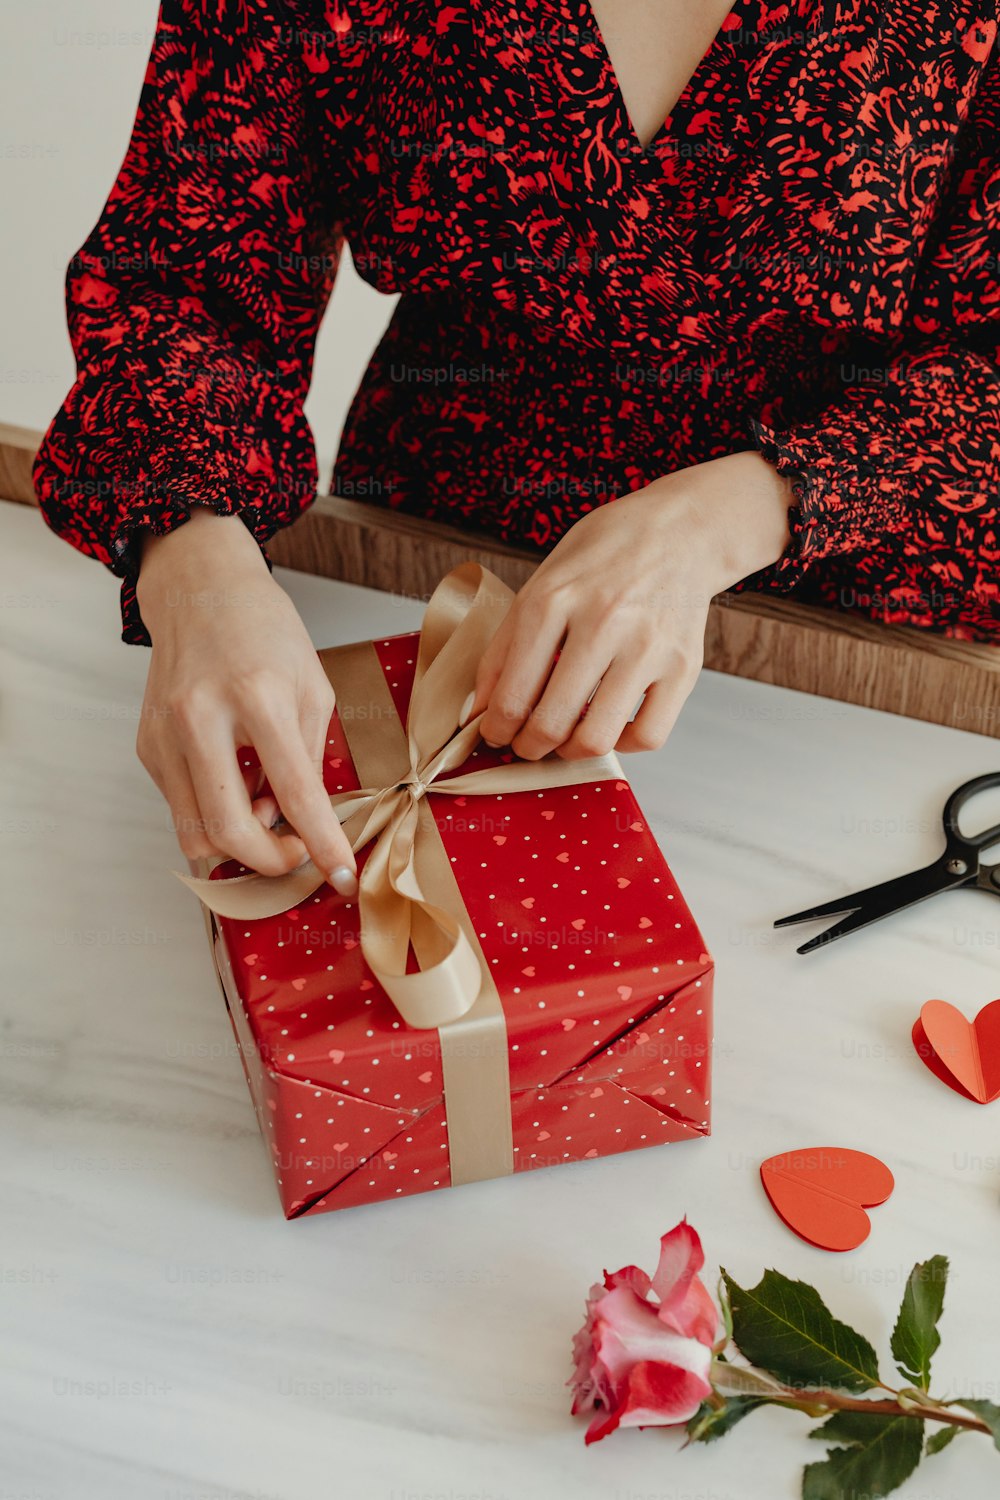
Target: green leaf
column 785, row 1327
column 724, row 1308
column 710, row 1422
column 915, row 1337
column 941, row 1439
column 883, row 1451
column 986, row 1412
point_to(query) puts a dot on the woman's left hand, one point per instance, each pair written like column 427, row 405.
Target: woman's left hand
column 623, row 599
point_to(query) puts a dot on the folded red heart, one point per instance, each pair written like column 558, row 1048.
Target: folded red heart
column 963, row 1054
column 821, row 1192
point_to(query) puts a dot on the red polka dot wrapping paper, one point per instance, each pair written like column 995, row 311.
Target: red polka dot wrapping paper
column 603, row 974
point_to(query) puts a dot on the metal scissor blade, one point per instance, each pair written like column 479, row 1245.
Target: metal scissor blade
column 877, row 901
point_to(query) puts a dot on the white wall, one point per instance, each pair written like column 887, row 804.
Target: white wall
column 70, row 74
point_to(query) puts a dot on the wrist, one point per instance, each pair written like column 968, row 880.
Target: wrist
column 738, row 507
column 194, row 556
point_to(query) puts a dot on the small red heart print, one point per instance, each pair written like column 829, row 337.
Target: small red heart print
column 821, row 1192
column 568, row 1023
column 543, row 1135
column 251, row 958
column 548, row 816
column 425, row 1077
column 529, row 972
column 645, row 921
column 623, row 881
column 579, row 923
column 625, row 991
column 389, row 1155
column 592, row 1152
column 336, row 1055
column 341, row 1145
column 528, row 902
column 500, row 838
column 563, row 858
column 298, row 984
column 596, row 1093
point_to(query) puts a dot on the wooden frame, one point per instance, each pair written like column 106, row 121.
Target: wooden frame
column 889, row 667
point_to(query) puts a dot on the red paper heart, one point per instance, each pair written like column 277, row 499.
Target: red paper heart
column 963, row 1054
column 822, row 1192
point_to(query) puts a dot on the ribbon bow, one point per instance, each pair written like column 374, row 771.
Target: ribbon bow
column 396, row 912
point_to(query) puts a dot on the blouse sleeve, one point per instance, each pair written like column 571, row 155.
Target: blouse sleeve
column 194, row 304
column 896, row 481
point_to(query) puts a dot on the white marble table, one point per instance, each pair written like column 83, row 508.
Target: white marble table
column 166, row 1335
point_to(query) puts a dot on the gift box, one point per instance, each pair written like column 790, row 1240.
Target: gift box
column 519, row 983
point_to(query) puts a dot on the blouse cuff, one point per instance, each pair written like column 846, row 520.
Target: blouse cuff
column 808, row 459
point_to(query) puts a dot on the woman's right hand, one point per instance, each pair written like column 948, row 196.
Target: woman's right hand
column 231, row 665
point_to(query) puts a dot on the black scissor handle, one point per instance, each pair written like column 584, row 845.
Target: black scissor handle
column 953, row 808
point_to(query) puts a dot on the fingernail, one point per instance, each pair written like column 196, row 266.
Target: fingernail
column 466, row 709
column 344, row 880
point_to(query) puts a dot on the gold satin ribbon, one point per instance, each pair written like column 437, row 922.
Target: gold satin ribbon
column 408, row 895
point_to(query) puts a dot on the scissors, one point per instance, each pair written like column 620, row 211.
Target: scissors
column 959, row 866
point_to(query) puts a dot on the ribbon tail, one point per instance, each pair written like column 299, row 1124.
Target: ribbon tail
column 395, row 912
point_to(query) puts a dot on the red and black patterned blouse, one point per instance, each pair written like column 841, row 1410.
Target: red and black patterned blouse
column 805, row 260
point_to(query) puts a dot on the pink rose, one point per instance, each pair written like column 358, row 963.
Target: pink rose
column 643, row 1363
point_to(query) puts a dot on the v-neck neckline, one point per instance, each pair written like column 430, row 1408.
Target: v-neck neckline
column 649, row 148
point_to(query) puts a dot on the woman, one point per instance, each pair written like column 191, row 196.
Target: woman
column 731, row 267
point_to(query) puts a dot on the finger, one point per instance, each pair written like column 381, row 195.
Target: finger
column 658, row 714
column 185, row 815
column 225, row 804
column 554, row 718
column 304, row 802
column 607, row 714
column 536, row 638
column 262, row 804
